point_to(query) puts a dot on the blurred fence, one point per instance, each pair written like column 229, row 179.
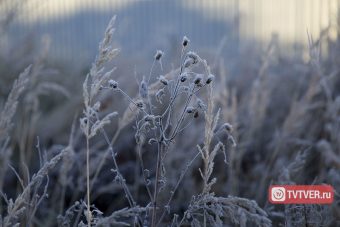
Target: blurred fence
column 260, row 20
column 286, row 20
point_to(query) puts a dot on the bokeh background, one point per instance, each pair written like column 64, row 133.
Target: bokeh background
column 75, row 27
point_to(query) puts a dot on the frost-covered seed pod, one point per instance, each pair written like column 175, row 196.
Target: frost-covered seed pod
column 149, row 118
column 210, row 79
column 227, row 127
column 198, row 79
column 190, row 109
column 113, row 84
column 158, row 55
column 192, row 55
column 140, row 104
column 183, row 78
column 163, row 80
column 185, row 41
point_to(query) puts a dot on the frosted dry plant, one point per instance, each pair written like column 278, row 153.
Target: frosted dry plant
column 90, row 123
column 164, row 108
column 24, row 207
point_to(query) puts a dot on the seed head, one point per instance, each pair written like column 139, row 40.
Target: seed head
column 185, row 41
column 190, row 109
column 198, row 79
column 149, row 118
column 191, row 59
column 163, row 80
column 83, row 121
column 140, row 104
column 227, row 127
column 192, row 55
column 183, row 78
column 210, row 79
column 113, row 84
column 158, row 55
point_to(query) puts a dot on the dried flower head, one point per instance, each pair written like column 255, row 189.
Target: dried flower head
column 185, row 41
column 227, row 127
column 158, row 55
column 113, row 84
column 149, row 118
column 183, row 77
column 192, row 55
column 198, row 79
column 191, row 109
column 163, row 80
column 210, row 78
column 191, row 59
column 140, row 104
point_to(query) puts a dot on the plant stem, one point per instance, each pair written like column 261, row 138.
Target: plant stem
column 88, row 180
column 155, row 195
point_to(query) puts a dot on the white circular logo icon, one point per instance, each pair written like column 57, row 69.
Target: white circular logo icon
column 278, row 194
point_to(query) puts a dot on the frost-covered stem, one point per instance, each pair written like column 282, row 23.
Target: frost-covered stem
column 173, row 97
column 143, row 169
column 183, row 218
column 206, row 169
column 155, row 195
column 22, row 198
column 182, row 114
column 150, row 74
column 127, row 192
column 122, row 180
column 208, row 125
column 103, row 159
column 88, row 172
column 130, row 99
column 176, row 187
